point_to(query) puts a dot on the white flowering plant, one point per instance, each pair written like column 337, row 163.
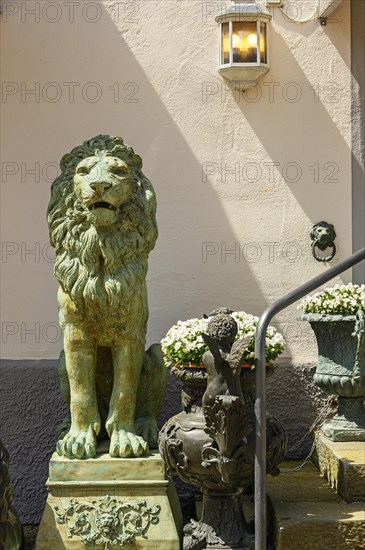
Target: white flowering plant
column 183, row 345
column 337, row 300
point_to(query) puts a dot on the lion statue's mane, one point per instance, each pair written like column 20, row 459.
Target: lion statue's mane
column 100, row 266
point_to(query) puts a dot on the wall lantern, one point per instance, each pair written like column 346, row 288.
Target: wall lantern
column 244, row 43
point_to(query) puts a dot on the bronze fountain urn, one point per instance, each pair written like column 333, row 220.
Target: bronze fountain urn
column 210, row 444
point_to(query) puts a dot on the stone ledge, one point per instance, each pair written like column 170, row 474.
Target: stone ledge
column 103, row 469
column 343, row 465
column 305, row 513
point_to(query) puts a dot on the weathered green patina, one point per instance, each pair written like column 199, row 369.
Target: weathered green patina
column 109, row 503
column 341, row 371
column 107, row 521
column 102, row 220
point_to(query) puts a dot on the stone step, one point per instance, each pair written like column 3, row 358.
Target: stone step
column 305, row 513
column 343, row 465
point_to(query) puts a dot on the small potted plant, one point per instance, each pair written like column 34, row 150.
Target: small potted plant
column 183, row 346
column 337, row 317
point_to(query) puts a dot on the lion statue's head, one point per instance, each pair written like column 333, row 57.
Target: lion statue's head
column 102, row 221
column 323, row 235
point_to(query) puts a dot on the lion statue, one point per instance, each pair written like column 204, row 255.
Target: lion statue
column 102, row 222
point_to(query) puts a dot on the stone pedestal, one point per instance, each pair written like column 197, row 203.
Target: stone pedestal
column 343, row 465
column 106, row 503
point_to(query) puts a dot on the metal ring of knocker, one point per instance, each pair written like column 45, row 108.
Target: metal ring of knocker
column 326, row 258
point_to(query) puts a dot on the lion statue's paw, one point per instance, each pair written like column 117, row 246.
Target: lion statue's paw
column 147, row 428
column 78, row 444
column 125, row 444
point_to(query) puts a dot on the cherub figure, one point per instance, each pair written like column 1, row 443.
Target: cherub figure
column 226, row 413
column 224, row 359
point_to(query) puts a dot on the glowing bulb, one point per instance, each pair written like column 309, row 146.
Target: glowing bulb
column 252, row 40
column 236, row 41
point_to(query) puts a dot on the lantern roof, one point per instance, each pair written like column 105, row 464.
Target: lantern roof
column 247, row 10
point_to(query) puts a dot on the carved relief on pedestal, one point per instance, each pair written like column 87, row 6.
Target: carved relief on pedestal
column 107, row 522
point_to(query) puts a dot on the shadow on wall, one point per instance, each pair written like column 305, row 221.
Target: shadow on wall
column 83, row 52
column 296, row 401
column 317, row 173
column 31, row 406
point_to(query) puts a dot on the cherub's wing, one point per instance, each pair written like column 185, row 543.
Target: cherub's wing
column 237, row 353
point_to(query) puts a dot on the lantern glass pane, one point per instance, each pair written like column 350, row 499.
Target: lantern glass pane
column 263, row 43
column 244, row 41
column 225, row 43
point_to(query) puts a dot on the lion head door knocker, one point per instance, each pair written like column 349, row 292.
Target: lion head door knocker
column 323, row 236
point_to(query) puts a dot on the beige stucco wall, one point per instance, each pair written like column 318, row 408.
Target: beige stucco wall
column 154, row 66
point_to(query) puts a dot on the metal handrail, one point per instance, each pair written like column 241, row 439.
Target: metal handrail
column 260, row 399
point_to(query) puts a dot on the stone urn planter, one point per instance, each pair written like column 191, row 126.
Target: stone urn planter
column 188, row 448
column 341, row 371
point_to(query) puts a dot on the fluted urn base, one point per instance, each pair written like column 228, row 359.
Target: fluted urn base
column 222, row 526
column 349, row 422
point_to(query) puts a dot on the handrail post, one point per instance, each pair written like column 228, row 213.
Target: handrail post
column 260, row 389
column 260, row 440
